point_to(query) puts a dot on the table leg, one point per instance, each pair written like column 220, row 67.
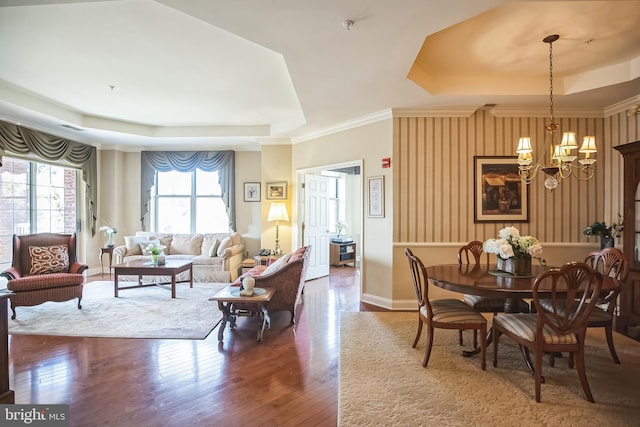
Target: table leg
column 115, row 284
column 477, row 350
column 511, row 305
column 225, row 318
column 191, row 276
column 173, row 285
column 527, row 361
column 101, row 265
column 266, row 321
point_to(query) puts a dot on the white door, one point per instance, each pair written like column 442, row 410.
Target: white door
column 316, row 224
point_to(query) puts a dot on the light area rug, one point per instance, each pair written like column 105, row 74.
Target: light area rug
column 148, row 312
column 382, row 381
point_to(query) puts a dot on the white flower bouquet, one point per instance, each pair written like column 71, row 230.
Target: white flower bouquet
column 511, row 244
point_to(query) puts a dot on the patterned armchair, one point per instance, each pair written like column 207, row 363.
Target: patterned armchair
column 288, row 279
column 44, row 268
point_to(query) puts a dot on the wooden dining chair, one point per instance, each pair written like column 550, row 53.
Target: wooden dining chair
column 442, row 313
column 472, row 252
column 572, row 292
column 610, row 262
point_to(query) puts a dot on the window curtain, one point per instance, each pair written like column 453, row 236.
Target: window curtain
column 188, row 161
column 22, row 141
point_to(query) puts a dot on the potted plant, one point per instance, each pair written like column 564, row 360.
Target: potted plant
column 606, row 232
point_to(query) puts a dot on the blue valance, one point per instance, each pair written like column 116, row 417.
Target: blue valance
column 188, row 161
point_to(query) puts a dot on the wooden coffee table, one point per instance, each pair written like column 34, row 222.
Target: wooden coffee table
column 144, row 268
column 229, row 296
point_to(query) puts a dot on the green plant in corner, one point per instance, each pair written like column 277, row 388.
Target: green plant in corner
column 603, row 230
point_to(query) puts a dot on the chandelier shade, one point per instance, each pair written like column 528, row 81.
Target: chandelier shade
column 561, row 163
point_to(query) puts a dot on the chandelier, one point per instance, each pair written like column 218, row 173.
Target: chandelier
column 561, row 159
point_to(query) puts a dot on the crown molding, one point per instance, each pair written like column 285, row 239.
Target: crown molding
column 343, row 126
column 622, row 106
column 436, row 112
column 499, row 111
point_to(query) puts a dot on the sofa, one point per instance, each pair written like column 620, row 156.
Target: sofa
column 44, row 268
column 216, row 257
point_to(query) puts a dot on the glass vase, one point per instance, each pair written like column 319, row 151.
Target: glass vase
column 154, row 259
column 606, row 242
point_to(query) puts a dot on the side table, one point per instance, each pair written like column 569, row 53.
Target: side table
column 265, row 259
column 106, row 250
column 229, row 296
column 248, row 264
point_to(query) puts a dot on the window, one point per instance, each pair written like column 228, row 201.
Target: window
column 337, row 210
column 35, row 198
column 188, row 202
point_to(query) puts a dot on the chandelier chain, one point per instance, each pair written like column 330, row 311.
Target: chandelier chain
column 551, row 82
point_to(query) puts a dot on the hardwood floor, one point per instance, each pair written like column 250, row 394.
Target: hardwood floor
column 291, row 379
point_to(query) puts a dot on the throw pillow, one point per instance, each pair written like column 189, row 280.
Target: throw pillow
column 213, row 250
column 49, row 259
column 295, row 256
column 226, row 243
column 187, row 244
column 133, row 244
column 277, row 264
column 254, row 272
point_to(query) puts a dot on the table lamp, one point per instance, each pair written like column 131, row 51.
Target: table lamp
column 278, row 212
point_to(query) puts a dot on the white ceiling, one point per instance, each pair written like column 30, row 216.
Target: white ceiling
column 220, row 74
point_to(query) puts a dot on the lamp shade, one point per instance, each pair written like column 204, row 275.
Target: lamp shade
column 278, row 212
column 588, row 145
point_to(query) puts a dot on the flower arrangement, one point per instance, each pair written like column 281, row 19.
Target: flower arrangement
column 341, row 226
column 108, row 232
column 511, row 244
column 154, row 249
column 603, row 230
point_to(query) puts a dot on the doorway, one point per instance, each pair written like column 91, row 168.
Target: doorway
column 343, row 213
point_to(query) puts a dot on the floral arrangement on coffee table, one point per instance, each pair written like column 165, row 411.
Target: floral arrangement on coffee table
column 511, row 244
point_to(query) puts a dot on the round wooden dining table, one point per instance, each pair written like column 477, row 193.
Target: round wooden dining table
column 485, row 280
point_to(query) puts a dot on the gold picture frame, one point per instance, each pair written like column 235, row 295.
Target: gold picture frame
column 499, row 193
column 277, row 190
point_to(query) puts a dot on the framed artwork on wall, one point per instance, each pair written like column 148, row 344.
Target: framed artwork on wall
column 376, row 197
column 277, row 190
column 251, row 191
column 499, row 193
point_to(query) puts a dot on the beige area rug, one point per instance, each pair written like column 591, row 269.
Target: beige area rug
column 148, row 312
column 382, row 381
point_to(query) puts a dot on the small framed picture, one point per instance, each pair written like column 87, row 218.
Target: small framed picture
column 277, row 190
column 251, row 191
column 376, row 197
column 499, row 194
